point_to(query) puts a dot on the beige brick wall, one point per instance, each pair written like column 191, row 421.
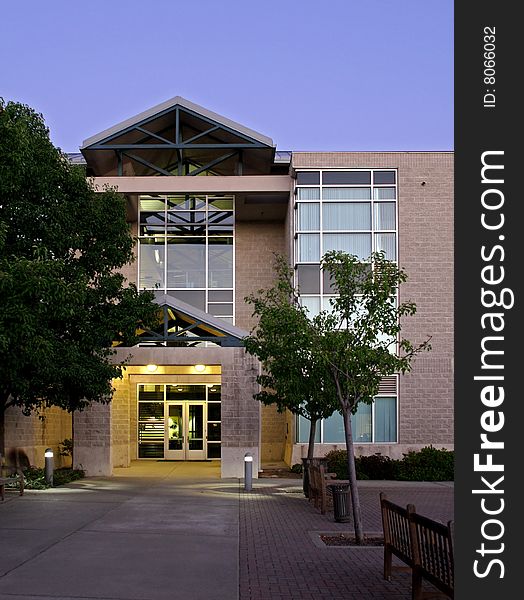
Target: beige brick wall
column 33, row 435
column 121, row 422
column 425, row 206
column 255, row 245
column 273, row 434
column 240, row 411
column 93, row 439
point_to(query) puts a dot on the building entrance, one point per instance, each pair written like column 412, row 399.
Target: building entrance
column 186, row 431
column 179, row 421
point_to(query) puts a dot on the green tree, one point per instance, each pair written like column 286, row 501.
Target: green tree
column 360, row 339
column 63, row 302
column 293, row 378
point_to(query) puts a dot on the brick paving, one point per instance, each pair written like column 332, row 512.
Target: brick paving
column 282, row 557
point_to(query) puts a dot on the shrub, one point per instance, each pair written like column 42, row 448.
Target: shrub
column 62, row 476
column 377, row 466
column 66, row 447
column 296, row 468
column 336, row 461
column 34, row 477
column 428, row 464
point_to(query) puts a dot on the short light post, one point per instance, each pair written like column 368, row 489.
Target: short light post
column 49, row 465
column 248, row 471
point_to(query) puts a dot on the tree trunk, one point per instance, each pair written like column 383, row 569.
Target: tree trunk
column 312, row 432
column 355, row 500
column 310, row 452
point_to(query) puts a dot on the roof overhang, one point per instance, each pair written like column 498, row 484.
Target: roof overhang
column 178, row 137
column 185, row 325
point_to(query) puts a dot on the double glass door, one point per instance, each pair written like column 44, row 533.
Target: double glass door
column 185, row 436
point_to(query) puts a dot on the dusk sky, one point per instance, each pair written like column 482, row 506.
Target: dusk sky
column 338, row 75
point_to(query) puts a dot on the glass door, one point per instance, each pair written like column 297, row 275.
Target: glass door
column 185, row 431
column 175, row 434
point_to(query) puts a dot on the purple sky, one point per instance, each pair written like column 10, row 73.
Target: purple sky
column 337, row 75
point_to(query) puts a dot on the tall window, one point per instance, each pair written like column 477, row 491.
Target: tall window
column 354, row 211
column 186, row 249
column 375, row 423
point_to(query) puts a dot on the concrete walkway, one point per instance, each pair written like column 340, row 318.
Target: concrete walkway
column 157, row 531
column 155, row 535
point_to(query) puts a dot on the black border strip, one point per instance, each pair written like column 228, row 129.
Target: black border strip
column 486, row 121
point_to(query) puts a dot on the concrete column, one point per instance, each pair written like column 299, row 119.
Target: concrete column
column 92, row 440
column 240, row 413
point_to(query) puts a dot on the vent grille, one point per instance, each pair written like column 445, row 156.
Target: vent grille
column 388, row 385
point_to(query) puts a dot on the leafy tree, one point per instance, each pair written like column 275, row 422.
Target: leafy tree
column 336, row 360
column 355, row 339
column 62, row 300
column 293, row 378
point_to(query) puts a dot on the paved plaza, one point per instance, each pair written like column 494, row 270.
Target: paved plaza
column 175, row 530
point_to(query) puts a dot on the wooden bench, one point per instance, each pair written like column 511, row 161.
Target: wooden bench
column 11, row 474
column 424, row 545
column 318, row 484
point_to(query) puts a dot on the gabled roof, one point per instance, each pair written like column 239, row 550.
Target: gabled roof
column 178, row 138
column 169, row 105
column 185, row 325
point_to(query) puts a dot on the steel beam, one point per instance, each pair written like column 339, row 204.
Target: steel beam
column 147, row 164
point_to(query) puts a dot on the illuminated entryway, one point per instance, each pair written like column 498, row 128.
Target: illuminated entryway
column 179, row 421
column 185, row 434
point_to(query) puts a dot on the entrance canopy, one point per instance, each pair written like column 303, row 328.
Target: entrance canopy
column 184, row 325
column 178, row 137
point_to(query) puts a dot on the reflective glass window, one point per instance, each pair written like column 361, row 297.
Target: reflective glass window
column 346, row 216
column 387, row 243
column 308, row 247
column 387, row 193
column 308, row 216
column 220, row 262
column 308, row 194
column 385, row 217
column 308, row 178
column 152, row 263
column 346, row 177
column 312, row 303
column 385, row 419
column 186, row 260
column 308, row 279
column 383, row 177
column 358, row 244
column 337, row 193
column 362, row 424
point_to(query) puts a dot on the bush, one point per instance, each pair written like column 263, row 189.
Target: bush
column 428, row 464
column 337, row 463
column 66, row 447
column 34, row 477
column 296, row 468
column 377, row 466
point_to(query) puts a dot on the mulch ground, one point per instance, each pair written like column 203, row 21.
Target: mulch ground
column 343, row 539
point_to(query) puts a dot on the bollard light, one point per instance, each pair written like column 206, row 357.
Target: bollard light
column 49, row 465
column 248, row 471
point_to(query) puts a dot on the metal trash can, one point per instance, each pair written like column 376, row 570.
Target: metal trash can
column 341, row 504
